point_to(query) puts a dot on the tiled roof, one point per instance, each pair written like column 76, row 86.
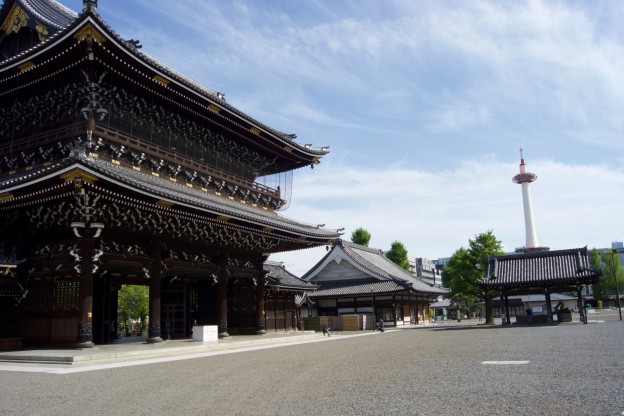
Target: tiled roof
column 358, row 287
column 198, row 198
column 165, row 188
column 49, row 12
column 380, row 267
column 539, row 269
column 280, row 277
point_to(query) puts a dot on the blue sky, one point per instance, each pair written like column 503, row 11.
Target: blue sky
column 424, row 105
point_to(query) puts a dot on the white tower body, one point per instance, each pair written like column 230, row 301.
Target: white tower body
column 524, row 178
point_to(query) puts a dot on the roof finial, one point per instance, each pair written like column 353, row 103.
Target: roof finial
column 88, row 5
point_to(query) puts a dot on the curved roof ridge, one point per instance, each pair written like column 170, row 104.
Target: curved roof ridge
column 204, row 200
column 351, row 250
column 535, row 254
column 388, row 268
column 41, row 45
column 50, row 12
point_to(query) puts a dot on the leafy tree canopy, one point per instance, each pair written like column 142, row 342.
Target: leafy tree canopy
column 610, row 264
column 361, row 236
column 398, row 255
column 134, row 302
column 466, row 266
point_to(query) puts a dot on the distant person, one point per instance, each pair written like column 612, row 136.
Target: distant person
column 529, row 314
column 480, row 315
column 380, row 325
column 113, row 330
column 326, row 331
column 168, row 330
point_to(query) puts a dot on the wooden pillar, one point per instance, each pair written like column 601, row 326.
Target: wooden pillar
column 549, row 316
column 394, row 314
column 275, row 303
column 85, row 291
column 579, row 303
column 374, row 315
column 154, row 328
column 402, row 308
column 222, row 299
column 107, row 333
column 507, row 310
column 260, row 311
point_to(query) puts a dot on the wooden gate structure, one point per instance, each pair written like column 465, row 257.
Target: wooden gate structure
column 116, row 169
column 544, row 272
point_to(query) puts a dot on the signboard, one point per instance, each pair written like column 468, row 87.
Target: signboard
column 205, row 333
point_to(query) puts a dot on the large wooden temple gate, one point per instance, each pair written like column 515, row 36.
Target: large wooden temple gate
column 114, row 170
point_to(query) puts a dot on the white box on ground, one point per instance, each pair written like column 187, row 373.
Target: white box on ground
column 205, row 333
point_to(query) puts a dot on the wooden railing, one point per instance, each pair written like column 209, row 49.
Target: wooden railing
column 62, row 133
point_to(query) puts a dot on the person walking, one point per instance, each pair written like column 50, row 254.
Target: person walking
column 326, row 331
column 529, row 314
column 380, row 325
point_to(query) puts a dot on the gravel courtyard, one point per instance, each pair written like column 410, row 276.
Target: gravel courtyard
column 569, row 369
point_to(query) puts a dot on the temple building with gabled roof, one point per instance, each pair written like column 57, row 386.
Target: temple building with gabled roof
column 117, row 169
column 354, row 279
column 544, row 272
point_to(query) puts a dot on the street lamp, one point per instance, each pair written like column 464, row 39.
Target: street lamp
column 617, row 289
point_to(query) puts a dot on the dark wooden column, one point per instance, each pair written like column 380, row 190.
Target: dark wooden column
column 85, row 290
column 579, row 302
column 507, row 310
column 260, row 310
column 222, row 297
column 107, row 333
column 154, row 328
column 394, row 314
column 549, row 317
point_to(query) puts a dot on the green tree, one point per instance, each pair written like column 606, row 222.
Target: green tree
column 398, row 255
column 466, row 266
column 609, row 262
column 361, row 236
column 133, row 301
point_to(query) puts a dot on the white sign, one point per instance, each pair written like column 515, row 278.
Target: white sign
column 205, row 333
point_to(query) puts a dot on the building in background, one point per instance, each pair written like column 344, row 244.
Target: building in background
column 357, row 280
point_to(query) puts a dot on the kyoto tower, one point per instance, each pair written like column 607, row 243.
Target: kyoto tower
column 524, row 178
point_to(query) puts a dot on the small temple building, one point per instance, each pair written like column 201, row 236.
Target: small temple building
column 115, row 169
column 287, row 293
column 539, row 272
column 356, row 280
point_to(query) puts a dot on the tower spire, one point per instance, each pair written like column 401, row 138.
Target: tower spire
column 524, row 178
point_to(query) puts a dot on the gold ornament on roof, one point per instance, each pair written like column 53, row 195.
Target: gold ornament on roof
column 15, row 21
column 42, row 31
column 90, row 34
column 78, row 174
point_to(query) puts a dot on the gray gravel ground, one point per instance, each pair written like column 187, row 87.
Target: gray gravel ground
column 574, row 369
